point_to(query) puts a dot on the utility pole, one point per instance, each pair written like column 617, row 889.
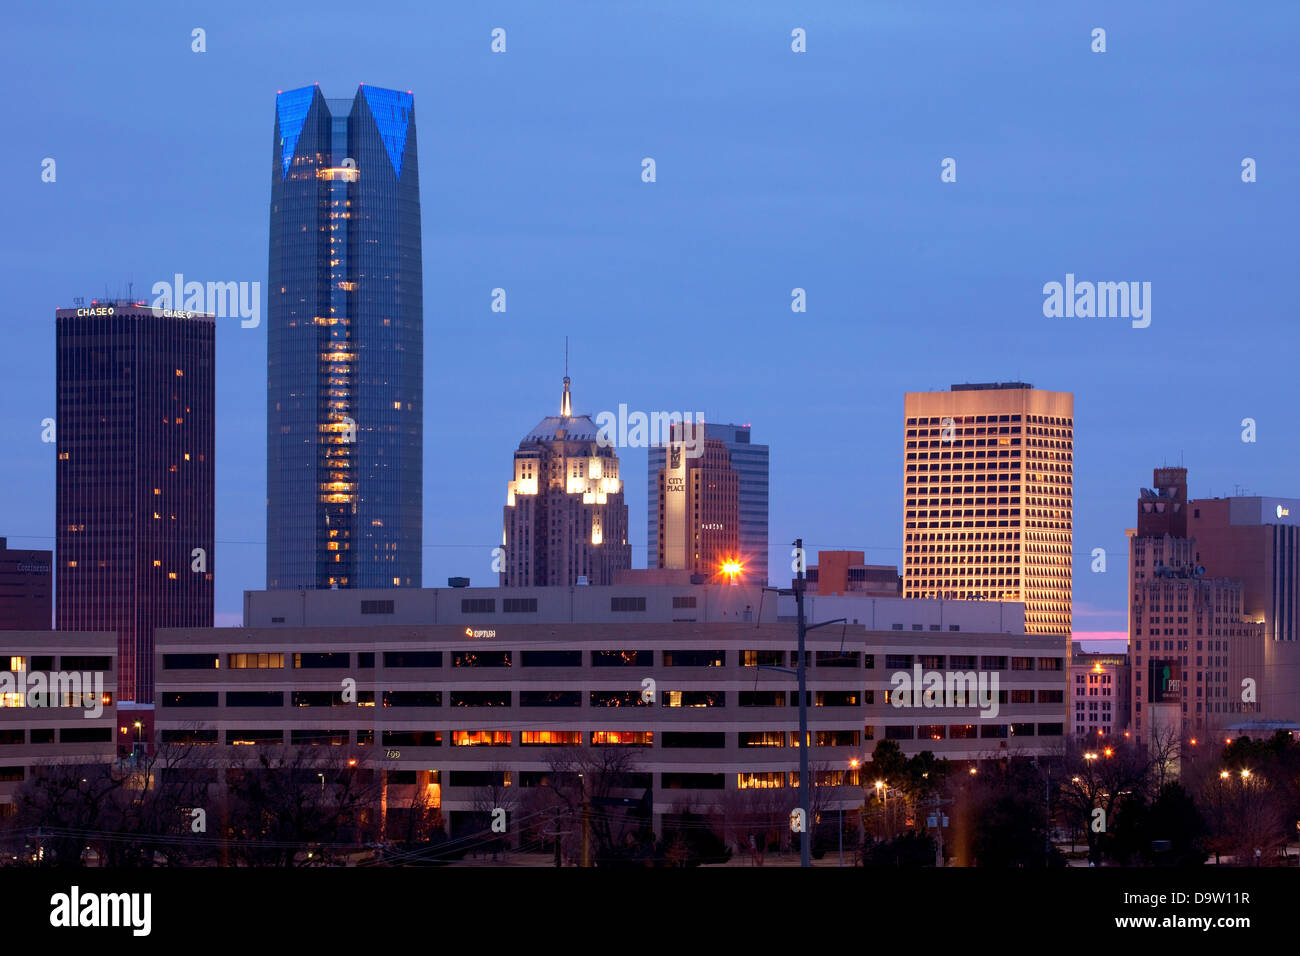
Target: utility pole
column 1047, row 838
column 557, row 837
column 586, row 824
column 801, row 672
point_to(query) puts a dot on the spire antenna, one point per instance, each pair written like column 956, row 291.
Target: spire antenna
column 566, row 403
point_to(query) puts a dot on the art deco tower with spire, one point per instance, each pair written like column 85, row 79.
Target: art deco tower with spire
column 565, row 517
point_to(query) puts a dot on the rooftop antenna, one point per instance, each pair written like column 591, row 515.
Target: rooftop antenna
column 566, row 404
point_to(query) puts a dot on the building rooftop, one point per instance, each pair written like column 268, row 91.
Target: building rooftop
column 575, row 428
column 982, row 386
column 618, row 604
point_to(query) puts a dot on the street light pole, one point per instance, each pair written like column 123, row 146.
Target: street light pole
column 801, row 671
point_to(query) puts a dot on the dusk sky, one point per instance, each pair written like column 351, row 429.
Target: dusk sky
column 775, row 170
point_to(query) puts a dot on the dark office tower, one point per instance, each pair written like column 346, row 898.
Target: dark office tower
column 134, row 480
column 345, row 351
column 24, row 589
column 751, row 464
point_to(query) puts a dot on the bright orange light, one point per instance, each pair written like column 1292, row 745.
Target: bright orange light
column 732, row 569
column 1193, row 741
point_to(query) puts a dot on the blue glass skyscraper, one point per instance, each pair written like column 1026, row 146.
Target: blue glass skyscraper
column 345, row 350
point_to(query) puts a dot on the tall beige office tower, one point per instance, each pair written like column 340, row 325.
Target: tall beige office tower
column 565, row 518
column 988, row 490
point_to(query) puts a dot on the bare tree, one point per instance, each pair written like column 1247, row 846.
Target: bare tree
column 1099, row 775
column 586, row 785
column 64, row 808
column 298, row 806
column 487, row 801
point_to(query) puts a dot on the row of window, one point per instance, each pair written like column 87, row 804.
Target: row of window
column 638, row 781
column 528, row 605
column 19, row 663
column 968, row 731
column 338, row 660
column 564, row 698
column 701, row 740
column 67, row 735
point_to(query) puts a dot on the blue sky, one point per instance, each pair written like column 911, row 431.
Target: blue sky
column 775, row 170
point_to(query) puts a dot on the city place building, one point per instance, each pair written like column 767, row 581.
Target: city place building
column 345, row 344
column 699, row 511
column 988, row 486
column 751, row 464
column 134, row 480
